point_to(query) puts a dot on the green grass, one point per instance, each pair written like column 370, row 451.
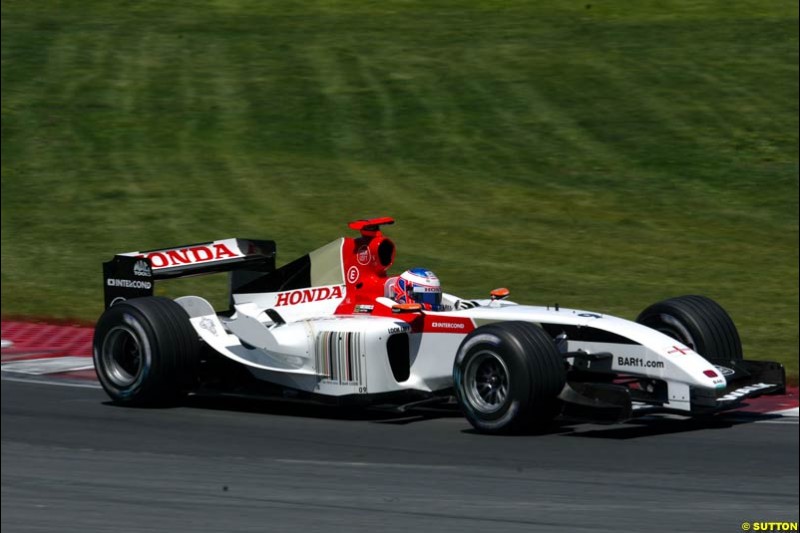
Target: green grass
column 603, row 156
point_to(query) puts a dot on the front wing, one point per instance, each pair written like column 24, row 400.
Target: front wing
column 616, row 402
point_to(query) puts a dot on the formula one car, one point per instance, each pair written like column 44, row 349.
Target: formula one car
column 324, row 327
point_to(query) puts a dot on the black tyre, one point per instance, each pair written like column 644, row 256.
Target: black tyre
column 145, row 351
column 507, row 378
column 698, row 322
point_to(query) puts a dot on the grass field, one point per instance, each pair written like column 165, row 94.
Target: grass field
column 602, row 155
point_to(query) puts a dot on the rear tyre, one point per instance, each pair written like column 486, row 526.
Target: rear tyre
column 145, row 351
column 507, row 378
column 698, row 322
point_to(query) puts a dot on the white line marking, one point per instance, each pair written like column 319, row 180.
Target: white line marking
column 792, row 413
column 55, row 381
column 352, row 464
column 54, row 365
column 782, row 420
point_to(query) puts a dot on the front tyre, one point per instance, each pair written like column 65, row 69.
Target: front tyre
column 698, row 322
column 507, row 378
column 145, row 351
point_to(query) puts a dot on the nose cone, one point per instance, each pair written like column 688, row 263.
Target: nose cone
column 695, row 365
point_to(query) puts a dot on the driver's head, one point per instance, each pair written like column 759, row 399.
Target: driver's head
column 419, row 285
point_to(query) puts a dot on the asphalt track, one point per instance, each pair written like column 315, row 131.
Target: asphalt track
column 73, row 462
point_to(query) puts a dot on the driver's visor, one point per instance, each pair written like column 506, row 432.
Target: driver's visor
column 427, row 295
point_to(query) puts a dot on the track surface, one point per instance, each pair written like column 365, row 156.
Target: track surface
column 72, row 462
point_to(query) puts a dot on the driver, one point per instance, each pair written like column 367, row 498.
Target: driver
column 417, row 285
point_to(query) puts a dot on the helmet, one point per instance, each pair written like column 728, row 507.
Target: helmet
column 418, row 285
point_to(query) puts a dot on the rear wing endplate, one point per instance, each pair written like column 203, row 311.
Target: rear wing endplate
column 133, row 274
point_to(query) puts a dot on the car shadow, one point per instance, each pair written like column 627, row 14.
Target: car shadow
column 557, row 428
column 648, row 426
column 383, row 414
column 656, row 425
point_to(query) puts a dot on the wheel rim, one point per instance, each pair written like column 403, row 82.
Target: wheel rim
column 122, row 356
column 487, row 383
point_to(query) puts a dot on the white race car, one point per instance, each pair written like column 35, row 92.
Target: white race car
column 323, row 327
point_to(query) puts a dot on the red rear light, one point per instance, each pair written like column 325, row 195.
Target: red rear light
column 710, row 373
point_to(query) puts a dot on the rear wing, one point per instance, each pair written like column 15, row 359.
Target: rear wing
column 133, row 274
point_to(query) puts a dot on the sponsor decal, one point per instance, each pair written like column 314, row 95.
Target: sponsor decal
column 678, row 349
column 364, row 308
column 399, row 329
column 304, row 296
column 191, row 255
column 141, row 268
column 363, row 256
column 425, row 289
column 208, row 325
column 353, row 274
column 590, row 315
column 448, row 325
column 129, row 283
column 725, row 371
column 639, row 362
